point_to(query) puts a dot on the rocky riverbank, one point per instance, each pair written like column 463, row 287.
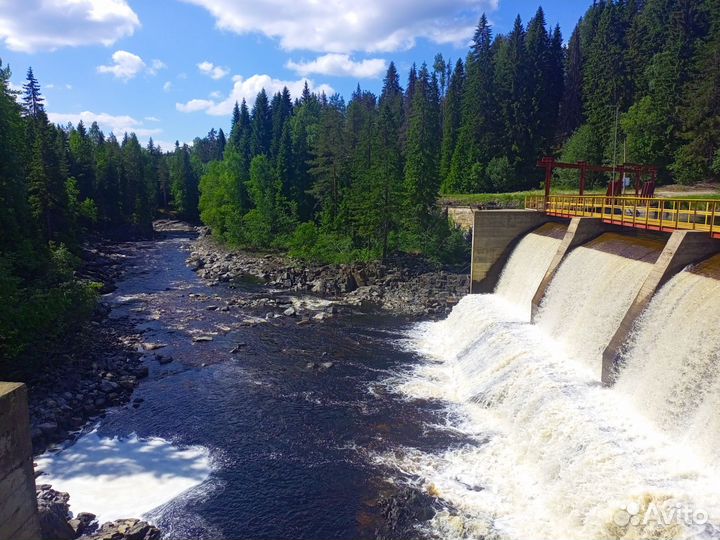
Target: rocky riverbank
column 404, row 285
column 91, row 371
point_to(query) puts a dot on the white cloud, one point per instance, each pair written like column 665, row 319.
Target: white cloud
column 167, row 86
column 340, row 65
column 107, row 122
column 195, row 105
column 126, row 65
column 248, row 89
column 152, row 119
column 156, row 66
column 216, row 94
column 348, row 25
column 34, row 25
column 212, row 71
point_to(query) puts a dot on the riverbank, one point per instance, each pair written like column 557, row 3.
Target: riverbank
column 95, row 369
column 404, row 285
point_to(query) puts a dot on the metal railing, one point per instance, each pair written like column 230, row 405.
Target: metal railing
column 655, row 214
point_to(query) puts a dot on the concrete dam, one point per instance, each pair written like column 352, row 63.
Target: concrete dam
column 588, row 368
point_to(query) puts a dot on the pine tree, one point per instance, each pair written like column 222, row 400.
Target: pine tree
column 33, row 102
column 422, row 166
column 15, row 215
column 261, row 126
column 452, row 117
column 571, row 108
column 477, row 136
column 329, row 164
column 281, row 108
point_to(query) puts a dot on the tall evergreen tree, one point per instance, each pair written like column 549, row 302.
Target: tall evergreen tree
column 452, row 117
column 261, row 126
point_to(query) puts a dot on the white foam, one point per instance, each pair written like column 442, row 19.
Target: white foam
column 550, row 453
column 123, row 478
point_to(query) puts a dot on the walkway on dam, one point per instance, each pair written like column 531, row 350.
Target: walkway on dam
column 657, row 214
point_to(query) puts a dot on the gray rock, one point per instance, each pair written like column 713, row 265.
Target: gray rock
column 327, row 365
column 290, row 312
column 109, row 386
column 48, row 428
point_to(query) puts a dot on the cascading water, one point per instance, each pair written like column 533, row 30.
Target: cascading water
column 592, row 291
column 549, row 453
column 672, row 359
column 527, row 265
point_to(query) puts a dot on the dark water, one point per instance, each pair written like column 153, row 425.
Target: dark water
column 292, row 446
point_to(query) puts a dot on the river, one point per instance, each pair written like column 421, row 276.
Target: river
column 254, row 443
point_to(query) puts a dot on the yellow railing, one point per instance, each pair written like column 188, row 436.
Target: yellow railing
column 655, row 214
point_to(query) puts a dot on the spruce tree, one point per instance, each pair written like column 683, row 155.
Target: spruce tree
column 476, row 140
column 261, row 126
column 452, row 117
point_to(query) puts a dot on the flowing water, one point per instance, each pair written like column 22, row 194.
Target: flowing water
column 503, row 421
column 554, row 454
column 527, row 265
column 252, row 444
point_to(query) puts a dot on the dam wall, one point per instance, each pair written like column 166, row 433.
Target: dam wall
column 495, row 235
column 18, row 505
column 584, row 281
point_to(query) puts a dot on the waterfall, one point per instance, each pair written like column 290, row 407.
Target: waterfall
column 527, row 265
column 591, row 292
column 546, row 451
column 672, row 358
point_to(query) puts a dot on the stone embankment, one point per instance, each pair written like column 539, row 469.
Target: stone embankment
column 404, row 285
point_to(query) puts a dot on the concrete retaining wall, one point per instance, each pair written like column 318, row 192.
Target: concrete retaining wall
column 495, row 234
column 682, row 248
column 18, row 506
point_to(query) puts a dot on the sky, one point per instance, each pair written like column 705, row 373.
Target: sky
column 173, row 69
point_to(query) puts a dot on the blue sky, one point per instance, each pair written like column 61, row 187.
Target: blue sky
column 171, row 69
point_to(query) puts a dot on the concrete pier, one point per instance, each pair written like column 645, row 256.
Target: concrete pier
column 18, row 506
column 681, row 249
column 495, row 234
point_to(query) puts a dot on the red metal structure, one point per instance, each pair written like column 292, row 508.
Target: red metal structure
column 637, row 172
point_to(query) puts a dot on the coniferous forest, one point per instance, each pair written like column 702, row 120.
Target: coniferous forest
column 334, row 180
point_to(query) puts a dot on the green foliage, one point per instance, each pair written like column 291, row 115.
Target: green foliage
column 501, row 175
column 34, row 316
column 312, row 244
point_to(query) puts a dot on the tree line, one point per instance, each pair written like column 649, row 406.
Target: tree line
column 59, row 186
column 637, row 81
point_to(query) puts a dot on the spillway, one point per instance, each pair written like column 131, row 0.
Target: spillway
column 548, row 452
column 592, row 291
column 672, row 360
column 527, row 265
